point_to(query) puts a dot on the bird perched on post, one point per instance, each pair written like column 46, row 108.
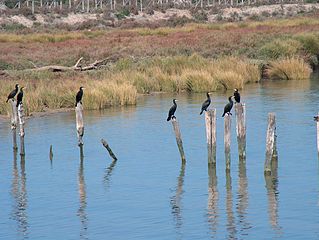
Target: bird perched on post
column 20, row 96
column 172, row 110
column 228, row 106
column 78, row 97
column 236, row 95
column 206, row 103
column 13, row 92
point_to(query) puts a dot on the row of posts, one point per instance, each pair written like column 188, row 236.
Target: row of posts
column 85, row 5
column 210, row 123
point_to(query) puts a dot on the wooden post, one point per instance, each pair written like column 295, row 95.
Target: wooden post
column 106, row 145
column 210, row 122
column 51, row 153
column 227, row 136
column 178, row 139
column 317, row 119
column 14, row 121
column 79, row 123
column 240, row 111
column 270, row 142
column 21, row 125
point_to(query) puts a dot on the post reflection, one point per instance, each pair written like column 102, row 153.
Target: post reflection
column 272, row 195
column 212, row 202
column 231, row 227
column 19, row 193
column 82, row 209
column 176, row 200
column 242, row 197
column 108, row 174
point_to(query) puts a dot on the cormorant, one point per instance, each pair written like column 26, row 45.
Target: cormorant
column 206, row 103
column 13, row 92
column 20, row 96
column 228, row 106
column 79, row 96
column 236, row 95
column 172, row 110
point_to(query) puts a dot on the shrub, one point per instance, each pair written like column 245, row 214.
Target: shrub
column 279, row 48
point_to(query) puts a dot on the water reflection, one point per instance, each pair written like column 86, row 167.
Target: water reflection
column 212, row 202
column 82, row 209
column 19, row 193
column 108, row 174
column 176, row 201
column 272, row 195
column 231, row 227
column 242, row 198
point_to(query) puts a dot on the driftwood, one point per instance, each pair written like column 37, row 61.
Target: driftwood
column 76, row 67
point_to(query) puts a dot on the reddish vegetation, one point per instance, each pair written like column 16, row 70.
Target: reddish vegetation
column 205, row 41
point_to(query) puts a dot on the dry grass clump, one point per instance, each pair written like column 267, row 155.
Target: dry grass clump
column 289, row 68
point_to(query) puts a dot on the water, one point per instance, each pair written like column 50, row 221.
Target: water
column 147, row 194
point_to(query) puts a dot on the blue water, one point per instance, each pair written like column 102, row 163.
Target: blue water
column 147, row 193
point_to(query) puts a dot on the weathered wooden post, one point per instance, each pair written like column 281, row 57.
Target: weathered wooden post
column 79, row 123
column 21, row 126
column 106, row 145
column 178, row 139
column 240, row 111
column 14, row 121
column 270, row 142
column 51, row 153
column 317, row 119
column 210, row 122
column 227, row 136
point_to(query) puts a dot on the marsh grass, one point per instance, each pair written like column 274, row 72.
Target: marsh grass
column 289, row 68
column 121, row 83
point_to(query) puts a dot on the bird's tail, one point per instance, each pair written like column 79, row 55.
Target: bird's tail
column 17, row 104
column 7, row 100
column 201, row 112
column 168, row 118
column 223, row 115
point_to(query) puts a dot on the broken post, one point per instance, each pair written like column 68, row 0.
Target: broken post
column 227, row 131
column 240, row 111
column 210, row 122
column 79, row 123
column 21, row 126
column 14, row 121
column 106, row 145
column 178, row 139
column 270, row 142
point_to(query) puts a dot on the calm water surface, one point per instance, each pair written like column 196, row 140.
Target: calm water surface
column 147, row 193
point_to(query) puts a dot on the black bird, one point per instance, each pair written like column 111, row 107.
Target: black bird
column 172, row 110
column 20, row 96
column 79, row 96
column 236, row 95
column 316, row 118
column 13, row 92
column 205, row 104
column 228, row 106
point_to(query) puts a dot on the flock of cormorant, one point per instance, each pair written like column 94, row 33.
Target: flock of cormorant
column 171, row 112
column 206, row 104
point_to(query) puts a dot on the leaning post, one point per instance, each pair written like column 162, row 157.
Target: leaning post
column 270, row 142
column 21, row 126
column 210, row 122
column 178, row 139
column 14, row 122
column 227, row 137
column 240, row 110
